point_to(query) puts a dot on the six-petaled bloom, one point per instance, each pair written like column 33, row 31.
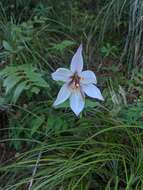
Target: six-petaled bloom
column 77, row 84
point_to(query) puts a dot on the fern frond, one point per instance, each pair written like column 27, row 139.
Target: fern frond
column 17, row 79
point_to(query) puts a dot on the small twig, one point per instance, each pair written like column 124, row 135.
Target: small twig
column 34, row 171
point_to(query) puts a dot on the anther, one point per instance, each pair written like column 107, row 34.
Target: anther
column 77, row 85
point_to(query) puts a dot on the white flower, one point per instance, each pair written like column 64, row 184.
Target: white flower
column 77, row 84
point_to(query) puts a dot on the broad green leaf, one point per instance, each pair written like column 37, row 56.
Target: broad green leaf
column 18, row 91
column 7, row 46
column 35, row 77
column 22, row 78
column 36, row 123
column 10, row 82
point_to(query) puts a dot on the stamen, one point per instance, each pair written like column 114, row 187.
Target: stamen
column 75, row 81
column 77, row 85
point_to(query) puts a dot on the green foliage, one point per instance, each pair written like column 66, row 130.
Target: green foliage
column 63, row 45
column 136, row 83
column 16, row 36
column 75, row 160
column 17, row 79
column 132, row 114
column 109, row 50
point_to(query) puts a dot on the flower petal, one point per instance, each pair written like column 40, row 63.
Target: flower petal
column 77, row 61
column 77, row 102
column 88, row 77
column 63, row 95
column 62, row 74
column 92, row 91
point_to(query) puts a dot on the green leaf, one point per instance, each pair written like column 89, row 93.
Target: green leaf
column 36, row 123
column 22, row 78
column 63, row 105
column 18, row 91
column 36, row 78
column 35, row 90
column 91, row 103
column 10, row 82
column 63, row 45
column 56, row 124
column 7, row 46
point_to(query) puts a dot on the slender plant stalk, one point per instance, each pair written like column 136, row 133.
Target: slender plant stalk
column 35, row 170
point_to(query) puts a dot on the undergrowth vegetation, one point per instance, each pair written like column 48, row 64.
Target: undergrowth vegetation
column 46, row 148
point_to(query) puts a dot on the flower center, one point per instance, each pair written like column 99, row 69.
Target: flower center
column 75, row 81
